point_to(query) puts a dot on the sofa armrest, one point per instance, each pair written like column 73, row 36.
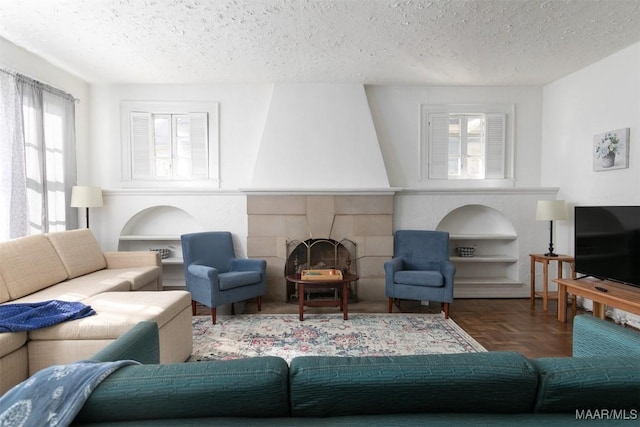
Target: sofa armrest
column 596, row 337
column 128, row 259
column 140, row 343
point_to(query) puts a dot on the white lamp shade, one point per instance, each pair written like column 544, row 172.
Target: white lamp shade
column 551, row 210
column 86, row 197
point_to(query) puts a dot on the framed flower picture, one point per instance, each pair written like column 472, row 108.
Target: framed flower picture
column 611, row 150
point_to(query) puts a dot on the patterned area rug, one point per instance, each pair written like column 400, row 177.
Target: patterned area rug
column 283, row 335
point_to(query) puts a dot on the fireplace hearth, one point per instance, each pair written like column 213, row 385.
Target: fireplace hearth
column 297, row 231
column 320, row 254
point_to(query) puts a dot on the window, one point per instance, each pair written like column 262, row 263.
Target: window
column 169, row 142
column 465, row 143
column 38, row 163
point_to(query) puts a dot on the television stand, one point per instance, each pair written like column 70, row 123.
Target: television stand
column 624, row 297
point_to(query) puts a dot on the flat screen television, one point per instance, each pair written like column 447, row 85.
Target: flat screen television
column 607, row 242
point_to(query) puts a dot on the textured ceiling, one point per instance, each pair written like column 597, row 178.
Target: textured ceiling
column 438, row 42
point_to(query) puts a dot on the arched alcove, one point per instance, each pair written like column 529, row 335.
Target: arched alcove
column 492, row 270
column 160, row 220
column 476, row 219
column 160, row 227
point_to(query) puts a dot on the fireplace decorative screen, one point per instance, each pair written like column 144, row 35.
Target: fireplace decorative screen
column 320, row 254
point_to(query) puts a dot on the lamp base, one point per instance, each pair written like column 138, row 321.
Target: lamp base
column 551, row 254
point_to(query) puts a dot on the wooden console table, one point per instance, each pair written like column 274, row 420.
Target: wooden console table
column 617, row 295
column 340, row 284
column 544, row 260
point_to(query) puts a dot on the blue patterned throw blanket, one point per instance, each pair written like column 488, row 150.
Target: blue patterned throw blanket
column 36, row 315
column 53, row 396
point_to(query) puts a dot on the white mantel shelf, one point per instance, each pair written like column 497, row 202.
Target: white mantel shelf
column 320, row 191
column 170, row 191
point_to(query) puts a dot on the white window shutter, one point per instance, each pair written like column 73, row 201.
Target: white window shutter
column 438, row 145
column 199, row 145
column 496, row 143
column 141, row 146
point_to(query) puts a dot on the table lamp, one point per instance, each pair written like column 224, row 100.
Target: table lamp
column 86, row 197
column 550, row 210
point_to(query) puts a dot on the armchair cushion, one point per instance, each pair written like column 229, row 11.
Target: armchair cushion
column 237, row 279
column 419, row 278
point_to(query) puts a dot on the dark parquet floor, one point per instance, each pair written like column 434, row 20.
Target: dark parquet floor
column 497, row 324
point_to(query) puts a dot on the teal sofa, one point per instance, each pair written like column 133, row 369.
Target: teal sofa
column 599, row 385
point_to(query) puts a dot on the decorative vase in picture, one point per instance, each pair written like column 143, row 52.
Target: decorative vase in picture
column 608, row 160
column 606, row 149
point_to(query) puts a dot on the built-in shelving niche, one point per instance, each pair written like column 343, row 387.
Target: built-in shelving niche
column 160, row 227
column 492, row 272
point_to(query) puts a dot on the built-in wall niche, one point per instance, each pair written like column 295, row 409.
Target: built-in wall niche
column 492, row 270
column 160, row 227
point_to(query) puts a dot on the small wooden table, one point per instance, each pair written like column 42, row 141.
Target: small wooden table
column 340, row 283
column 544, row 260
column 624, row 297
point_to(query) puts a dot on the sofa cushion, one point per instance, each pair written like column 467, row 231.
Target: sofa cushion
column 568, row 384
column 81, row 288
column 78, row 250
column 4, row 292
column 11, row 341
column 29, row 264
column 138, row 277
column 498, row 382
column 14, row 366
column 117, row 312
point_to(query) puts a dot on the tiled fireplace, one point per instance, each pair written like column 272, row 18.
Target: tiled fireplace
column 276, row 222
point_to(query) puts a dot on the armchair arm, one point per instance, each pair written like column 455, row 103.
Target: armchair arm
column 248, row 264
column 447, row 268
column 393, row 265
column 202, row 272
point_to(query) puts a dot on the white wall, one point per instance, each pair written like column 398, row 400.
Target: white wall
column 602, row 97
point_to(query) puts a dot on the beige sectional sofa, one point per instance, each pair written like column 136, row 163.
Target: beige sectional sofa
column 70, row 266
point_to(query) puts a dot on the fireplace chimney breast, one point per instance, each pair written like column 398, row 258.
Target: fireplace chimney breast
column 319, row 137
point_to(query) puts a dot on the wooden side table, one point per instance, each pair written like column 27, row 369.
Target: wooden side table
column 544, row 260
column 342, row 284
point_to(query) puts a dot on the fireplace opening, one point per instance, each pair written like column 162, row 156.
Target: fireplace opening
column 320, row 254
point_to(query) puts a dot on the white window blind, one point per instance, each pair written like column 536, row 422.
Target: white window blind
column 141, row 154
column 496, row 144
column 439, row 145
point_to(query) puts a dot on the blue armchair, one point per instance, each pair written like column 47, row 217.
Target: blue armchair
column 214, row 275
column 420, row 268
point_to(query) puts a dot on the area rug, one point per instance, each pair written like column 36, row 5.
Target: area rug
column 283, row 335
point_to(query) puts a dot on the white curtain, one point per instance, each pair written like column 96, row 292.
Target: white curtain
column 38, row 166
column 13, row 194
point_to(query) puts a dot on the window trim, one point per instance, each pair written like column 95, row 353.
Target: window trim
column 170, row 108
column 425, row 146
